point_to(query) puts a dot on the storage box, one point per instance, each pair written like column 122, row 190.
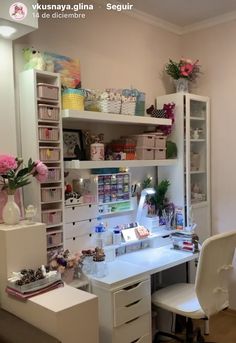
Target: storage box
column 49, row 154
column 54, row 238
column 48, row 112
column 52, row 217
column 49, row 194
column 128, row 107
column 54, row 174
column 47, row 91
column 160, row 154
column 48, row 133
column 144, row 153
column 145, row 140
column 73, row 99
column 160, row 142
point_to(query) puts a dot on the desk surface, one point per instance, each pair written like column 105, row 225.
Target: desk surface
column 141, row 263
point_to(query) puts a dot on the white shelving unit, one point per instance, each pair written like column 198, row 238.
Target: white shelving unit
column 47, row 196
column 190, row 177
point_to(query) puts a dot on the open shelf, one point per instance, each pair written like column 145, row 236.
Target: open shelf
column 73, row 115
column 76, row 164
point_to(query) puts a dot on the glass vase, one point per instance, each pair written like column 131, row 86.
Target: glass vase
column 181, row 85
column 11, row 211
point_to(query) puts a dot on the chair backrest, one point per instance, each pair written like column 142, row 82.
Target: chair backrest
column 214, row 267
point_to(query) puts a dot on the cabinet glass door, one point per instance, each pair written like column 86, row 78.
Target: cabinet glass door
column 196, row 150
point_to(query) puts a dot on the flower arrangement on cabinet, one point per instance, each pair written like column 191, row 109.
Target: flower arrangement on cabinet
column 14, row 174
column 185, row 68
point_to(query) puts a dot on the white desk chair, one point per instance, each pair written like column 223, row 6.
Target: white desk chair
column 209, row 295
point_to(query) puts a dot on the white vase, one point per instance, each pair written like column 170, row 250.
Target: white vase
column 11, row 211
column 181, row 85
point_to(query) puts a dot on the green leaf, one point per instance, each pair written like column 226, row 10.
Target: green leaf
column 22, row 172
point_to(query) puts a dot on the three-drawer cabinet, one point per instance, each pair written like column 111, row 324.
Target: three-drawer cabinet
column 125, row 312
column 80, row 221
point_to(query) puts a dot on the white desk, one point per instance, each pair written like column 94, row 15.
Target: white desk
column 125, row 293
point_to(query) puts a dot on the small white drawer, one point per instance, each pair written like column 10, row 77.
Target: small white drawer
column 78, row 213
column 80, row 228
column 132, row 293
column 126, row 313
column 79, row 243
column 134, row 330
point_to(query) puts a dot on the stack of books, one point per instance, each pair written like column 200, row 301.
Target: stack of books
column 184, row 240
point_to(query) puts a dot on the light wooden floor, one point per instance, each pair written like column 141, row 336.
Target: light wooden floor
column 222, row 328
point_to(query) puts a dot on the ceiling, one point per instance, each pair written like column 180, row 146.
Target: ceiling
column 185, row 14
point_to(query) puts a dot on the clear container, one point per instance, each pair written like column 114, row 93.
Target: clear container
column 101, row 269
column 116, row 237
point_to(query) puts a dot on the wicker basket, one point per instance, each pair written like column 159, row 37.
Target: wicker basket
column 128, row 107
column 73, row 99
column 110, row 106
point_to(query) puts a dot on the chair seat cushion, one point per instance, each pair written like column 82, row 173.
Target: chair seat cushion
column 179, row 298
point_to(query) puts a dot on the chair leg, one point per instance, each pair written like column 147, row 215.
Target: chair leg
column 206, row 327
column 157, row 337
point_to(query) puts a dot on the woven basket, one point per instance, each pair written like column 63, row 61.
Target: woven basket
column 128, row 107
column 110, row 106
column 73, row 99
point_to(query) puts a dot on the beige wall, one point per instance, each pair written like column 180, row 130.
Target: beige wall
column 115, row 50
column 7, row 100
column 216, row 51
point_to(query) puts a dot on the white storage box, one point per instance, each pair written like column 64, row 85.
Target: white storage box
column 48, row 133
column 47, row 91
column 128, row 107
column 54, row 238
column 49, row 194
column 48, row 112
column 160, row 142
column 160, row 154
column 52, row 217
column 54, row 174
column 49, row 154
column 144, row 153
column 145, row 140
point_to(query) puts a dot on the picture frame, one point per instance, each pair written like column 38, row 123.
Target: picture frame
column 72, row 145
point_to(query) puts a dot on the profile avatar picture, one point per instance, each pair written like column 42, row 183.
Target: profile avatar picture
column 18, row 11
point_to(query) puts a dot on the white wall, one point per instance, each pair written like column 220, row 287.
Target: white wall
column 7, row 100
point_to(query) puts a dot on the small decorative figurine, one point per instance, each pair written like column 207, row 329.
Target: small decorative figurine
column 30, row 213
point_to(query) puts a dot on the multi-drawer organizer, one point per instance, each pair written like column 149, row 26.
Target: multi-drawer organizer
column 41, row 118
column 150, row 146
column 112, row 192
column 128, row 310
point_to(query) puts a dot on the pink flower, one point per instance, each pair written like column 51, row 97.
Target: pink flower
column 7, row 162
column 41, row 171
column 186, row 69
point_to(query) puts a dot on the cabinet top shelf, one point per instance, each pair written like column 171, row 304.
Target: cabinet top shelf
column 75, row 164
column 73, row 115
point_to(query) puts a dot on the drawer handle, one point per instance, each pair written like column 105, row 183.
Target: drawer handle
column 132, row 286
column 135, row 302
column 73, row 238
column 132, row 320
column 90, row 205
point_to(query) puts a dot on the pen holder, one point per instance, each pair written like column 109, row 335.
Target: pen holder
column 101, row 269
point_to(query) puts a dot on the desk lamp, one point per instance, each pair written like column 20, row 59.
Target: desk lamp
column 144, row 193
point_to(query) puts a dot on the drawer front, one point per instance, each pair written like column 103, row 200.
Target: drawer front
column 79, row 243
column 134, row 330
column 78, row 213
column 131, row 294
column 80, row 228
column 126, row 313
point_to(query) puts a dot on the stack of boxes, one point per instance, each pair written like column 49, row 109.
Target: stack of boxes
column 151, row 146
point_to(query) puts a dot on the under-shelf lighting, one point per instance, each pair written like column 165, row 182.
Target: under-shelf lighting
column 144, row 193
column 6, row 31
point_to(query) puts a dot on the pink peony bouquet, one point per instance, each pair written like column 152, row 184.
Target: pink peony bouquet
column 185, row 68
column 14, row 174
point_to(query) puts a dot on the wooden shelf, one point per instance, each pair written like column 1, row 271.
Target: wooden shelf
column 73, row 115
column 76, row 164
